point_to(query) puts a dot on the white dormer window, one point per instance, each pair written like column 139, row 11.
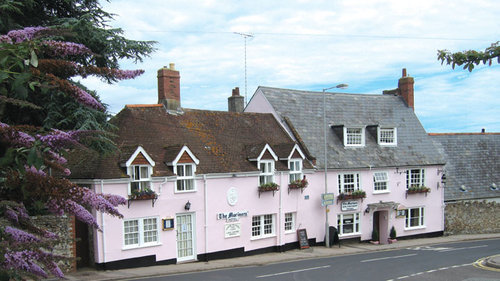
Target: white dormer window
column 387, row 136
column 354, row 136
column 295, row 169
column 140, row 177
column 266, row 171
column 185, row 177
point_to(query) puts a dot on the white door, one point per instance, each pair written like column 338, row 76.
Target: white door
column 185, row 237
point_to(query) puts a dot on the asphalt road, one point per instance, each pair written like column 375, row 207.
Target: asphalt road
column 451, row 261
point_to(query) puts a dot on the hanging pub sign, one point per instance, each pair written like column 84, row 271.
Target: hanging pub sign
column 401, row 213
column 349, row 206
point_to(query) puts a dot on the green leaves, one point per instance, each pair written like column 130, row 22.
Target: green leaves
column 469, row 59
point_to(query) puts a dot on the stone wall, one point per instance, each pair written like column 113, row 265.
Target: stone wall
column 64, row 227
column 470, row 217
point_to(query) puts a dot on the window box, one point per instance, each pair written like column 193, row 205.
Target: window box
column 357, row 194
column 418, row 189
column 270, row 186
column 145, row 194
column 298, row 184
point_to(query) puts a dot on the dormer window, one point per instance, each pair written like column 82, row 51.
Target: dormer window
column 141, row 177
column 185, row 177
column 295, row 169
column 354, row 136
column 387, row 136
column 266, row 171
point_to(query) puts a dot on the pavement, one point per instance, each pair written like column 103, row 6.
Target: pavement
column 270, row 258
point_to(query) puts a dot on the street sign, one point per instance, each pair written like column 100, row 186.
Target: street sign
column 327, row 199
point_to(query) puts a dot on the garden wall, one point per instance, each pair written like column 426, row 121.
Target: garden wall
column 472, row 217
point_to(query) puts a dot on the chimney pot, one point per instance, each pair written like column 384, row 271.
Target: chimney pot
column 404, row 72
column 172, row 66
column 483, row 130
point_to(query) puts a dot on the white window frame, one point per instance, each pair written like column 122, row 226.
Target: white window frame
column 411, row 179
column 420, row 219
column 263, row 226
column 141, row 232
column 185, row 178
column 267, row 174
column 342, row 183
column 382, row 140
column 356, row 224
column 290, row 222
column 348, row 136
column 295, row 166
column 143, row 181
column 380, row 178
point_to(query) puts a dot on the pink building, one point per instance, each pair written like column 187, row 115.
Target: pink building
column 208, row 184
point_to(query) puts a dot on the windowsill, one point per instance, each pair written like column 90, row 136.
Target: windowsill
column 132, row 247
column 415, row 228
column 290, row 231
column 350, row 234
column 388, row 144
column 184, row 191
column 382, row 192
column 262, row 237
column 354, row 145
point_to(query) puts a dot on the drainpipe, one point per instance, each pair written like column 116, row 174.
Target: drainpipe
column 206, row 215
column 161, row 185
column 280, row 224
column 103, row 229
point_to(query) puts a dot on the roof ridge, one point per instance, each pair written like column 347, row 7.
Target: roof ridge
column 463, row 134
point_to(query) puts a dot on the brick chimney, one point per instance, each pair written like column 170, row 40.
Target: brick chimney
column 169, row 91
column 235, row 103
column 405, row 89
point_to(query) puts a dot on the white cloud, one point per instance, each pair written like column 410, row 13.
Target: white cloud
column 313, row 44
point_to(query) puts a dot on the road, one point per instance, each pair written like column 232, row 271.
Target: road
column 451, row 261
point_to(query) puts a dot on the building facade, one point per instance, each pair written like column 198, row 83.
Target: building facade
column 383, row 168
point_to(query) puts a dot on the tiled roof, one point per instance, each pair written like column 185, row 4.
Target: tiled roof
column 220, row 140
column 472, row 160
column 304, row 109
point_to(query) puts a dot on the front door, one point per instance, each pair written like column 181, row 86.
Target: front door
column 185, row 237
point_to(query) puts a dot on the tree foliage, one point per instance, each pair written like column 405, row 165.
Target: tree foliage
column 470, row 58
column 44, row 114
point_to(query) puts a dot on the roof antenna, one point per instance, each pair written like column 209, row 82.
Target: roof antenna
column 245, row 36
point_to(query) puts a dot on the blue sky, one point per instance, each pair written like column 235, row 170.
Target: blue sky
column 311, row 45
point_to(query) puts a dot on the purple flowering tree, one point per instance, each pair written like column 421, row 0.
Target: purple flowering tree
column 35, row 76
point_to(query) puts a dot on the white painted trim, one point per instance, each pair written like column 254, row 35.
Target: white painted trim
column 179, row 155
column 134, row 155
column 267, row 147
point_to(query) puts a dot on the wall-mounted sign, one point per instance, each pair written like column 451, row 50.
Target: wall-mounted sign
column 232, row 230
column 349, row 206
column 167, row 224
column 232, row 216
column 232, row 196
column 327, row 199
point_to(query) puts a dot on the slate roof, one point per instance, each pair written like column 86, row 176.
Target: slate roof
column 220, row 140
column 304, row 109
column 473, row 160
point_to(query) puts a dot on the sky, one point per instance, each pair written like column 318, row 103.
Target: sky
column 311, row 45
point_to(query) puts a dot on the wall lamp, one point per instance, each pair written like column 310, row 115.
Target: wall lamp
column 367, row 210
column 187, row 206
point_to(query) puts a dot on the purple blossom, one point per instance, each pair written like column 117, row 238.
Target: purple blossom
column 85, row 98
column 127, row 74
column 57, row 157
column 74, row 208
column 54, row 269
column 21, row 212
column 21, row 236
column 5, row 39
column 34, row 170
column 63, row 49
column 115, row 200
column 27, row 33
column 50, row 235
column 67, row 172
column 23, row 261
column 17, row 137
column 11, row 215
column 58, row 139
column 98, row 202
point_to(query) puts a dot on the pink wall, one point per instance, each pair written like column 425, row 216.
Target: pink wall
column 309, row 212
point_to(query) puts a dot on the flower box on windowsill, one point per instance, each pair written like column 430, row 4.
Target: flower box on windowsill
column 146, row 194
column 418, row 189
column 357, row 194
column 298, row 184
column 270, row 186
